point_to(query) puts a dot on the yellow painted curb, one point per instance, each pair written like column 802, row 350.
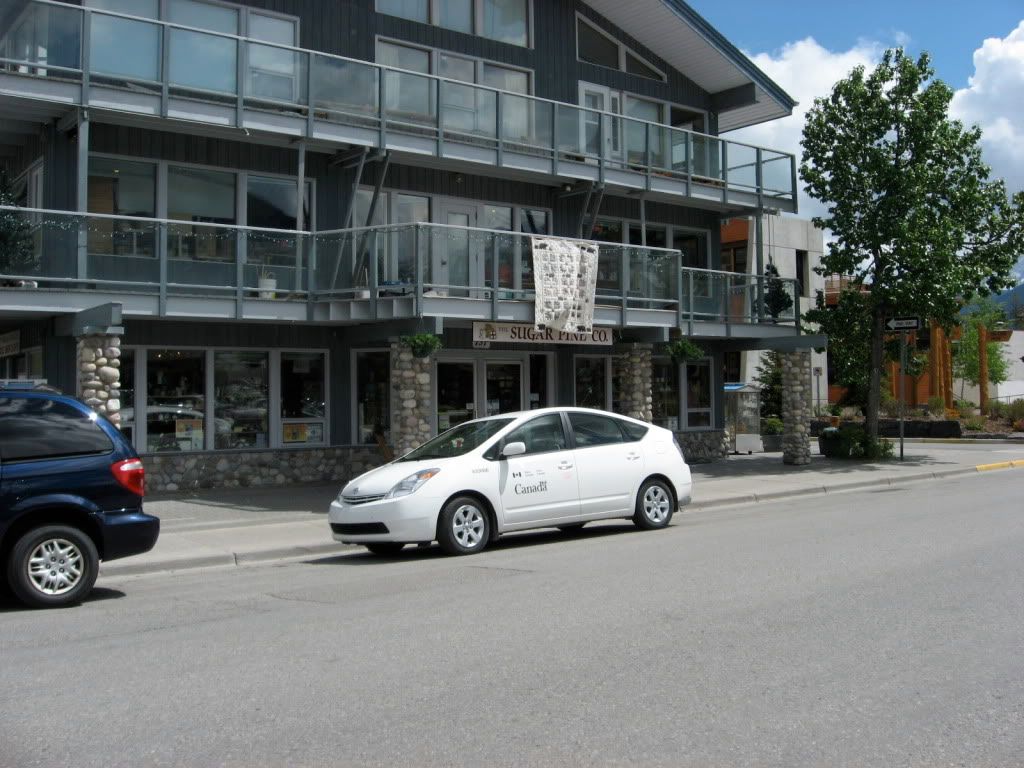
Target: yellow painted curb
column 1016, row 463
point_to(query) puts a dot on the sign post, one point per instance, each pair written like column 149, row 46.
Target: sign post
column 904, row 325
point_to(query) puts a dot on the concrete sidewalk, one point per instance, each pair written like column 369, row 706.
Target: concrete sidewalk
column 238, row 526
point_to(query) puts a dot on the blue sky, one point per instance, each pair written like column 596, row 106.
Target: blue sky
column 950, row 31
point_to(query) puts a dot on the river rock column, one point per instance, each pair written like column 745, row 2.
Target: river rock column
column 99, row 374
column 411, row 398
column 796, row 407
column 633, row 378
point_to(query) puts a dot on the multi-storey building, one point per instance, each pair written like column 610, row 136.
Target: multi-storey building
column 228, row 214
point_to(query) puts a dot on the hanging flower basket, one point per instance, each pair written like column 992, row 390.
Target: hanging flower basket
column 421, row 344
column 684, row 351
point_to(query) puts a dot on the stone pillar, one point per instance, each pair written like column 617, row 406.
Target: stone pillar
column 796, row 406
column 99, row 374
column 410, row 399
column 632, row 377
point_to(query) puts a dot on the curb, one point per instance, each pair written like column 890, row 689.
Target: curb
column 235, row 559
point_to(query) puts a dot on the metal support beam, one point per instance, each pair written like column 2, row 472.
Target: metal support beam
column 364, row 250
column 103, row 318
column 597, row 210
column 583, row 210
column 82, row 192
column 759, row 259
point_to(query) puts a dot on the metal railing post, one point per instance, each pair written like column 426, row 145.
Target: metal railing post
column 440, row 118
column 689, row 164
column 418, row 270
column 725, row 171
column 690, row 300
column 624, row 267
column 310, row 117
column 494, row 277
column 311, row 281
column 554, row 139
column 85, row 55
column 382, row 93
column 165, row 71
column 241, row 65
column 679, row 289
column 240, row 254
column 161, row 251
column 374, row 278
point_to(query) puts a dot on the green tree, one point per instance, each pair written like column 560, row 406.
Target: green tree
column 914, row 216
column 17, row 252
column 776, row 298
column 966, row 354
column 769, row 378
column 848, row 327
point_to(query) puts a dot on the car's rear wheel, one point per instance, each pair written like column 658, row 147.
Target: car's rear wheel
column 53, row 566
column 463, row 527
column 385, row 548
column 654, row 505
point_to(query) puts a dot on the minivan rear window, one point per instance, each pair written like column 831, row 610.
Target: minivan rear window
column 36, row 428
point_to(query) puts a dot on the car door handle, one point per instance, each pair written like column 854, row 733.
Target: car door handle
column 632, row 456
column 565, row 465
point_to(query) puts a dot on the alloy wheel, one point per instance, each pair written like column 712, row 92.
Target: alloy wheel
column 55, row 566
column 468, row 525
column 657, row 504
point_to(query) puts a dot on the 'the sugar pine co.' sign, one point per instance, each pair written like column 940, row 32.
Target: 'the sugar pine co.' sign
column 523, row 332
column 10, row 343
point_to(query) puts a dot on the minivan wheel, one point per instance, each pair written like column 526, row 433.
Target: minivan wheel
column 53, row 566
column 654, row 505
column 463, row 527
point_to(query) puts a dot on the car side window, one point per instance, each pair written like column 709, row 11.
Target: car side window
column 37, row 428
column 633, row 432
column 591, row 430
column 541, row 435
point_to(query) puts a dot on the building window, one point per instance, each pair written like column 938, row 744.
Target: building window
column 507, row 21
column 802, row 273
column 665, row 393
column 734, row 258
column 732, row 366
column 592, row 382
column 303, row 398
column 698, row 394
column 175, row 400
column 595, row 46
column 241, row 385
column 373, row 397
column 122, row 188
column 200, row 195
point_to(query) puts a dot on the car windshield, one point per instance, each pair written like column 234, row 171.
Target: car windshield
column 458, row 440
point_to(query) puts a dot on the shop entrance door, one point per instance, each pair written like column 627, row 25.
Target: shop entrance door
column 456, row 258
column 504, row 387
column 456, row 394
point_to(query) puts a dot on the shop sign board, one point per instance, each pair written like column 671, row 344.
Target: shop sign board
column 512, row 333
column 10, row 343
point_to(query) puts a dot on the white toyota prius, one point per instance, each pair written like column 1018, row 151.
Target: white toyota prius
column 555, row 467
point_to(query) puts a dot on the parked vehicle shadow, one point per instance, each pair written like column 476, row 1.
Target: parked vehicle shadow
column 540, row 537
column 10, row 604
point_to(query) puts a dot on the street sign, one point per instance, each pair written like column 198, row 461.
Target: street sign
column 904, row 324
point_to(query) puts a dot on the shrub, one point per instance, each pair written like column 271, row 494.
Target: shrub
column 964, row 406
column 1018, row 426
column 952, row 413
column 999, row 410
column 936, row 404
column 1015, row 411
column 850, row 441
column 771, row 426
column 835, row 409
column 975, row 424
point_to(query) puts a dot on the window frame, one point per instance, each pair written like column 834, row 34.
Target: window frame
column 434, row 20
column 623, row 438
column 623, row 48
column 562, row 424
column 274, row 429
column 435, row 64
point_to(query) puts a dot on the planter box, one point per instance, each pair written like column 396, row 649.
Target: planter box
column 771, row 443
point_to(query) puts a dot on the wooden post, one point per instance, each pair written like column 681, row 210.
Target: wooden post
column 947, row 370
column 982, row 369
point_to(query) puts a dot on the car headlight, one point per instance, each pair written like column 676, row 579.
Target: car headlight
column 411, row 484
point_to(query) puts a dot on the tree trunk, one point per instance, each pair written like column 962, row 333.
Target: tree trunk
column 875, row 381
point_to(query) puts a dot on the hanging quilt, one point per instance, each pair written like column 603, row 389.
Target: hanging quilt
column 565, row 277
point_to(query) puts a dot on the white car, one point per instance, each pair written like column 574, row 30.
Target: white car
column 555, row 467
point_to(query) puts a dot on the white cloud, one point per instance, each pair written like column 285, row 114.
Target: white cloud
column 805, row 70
column 994, row 99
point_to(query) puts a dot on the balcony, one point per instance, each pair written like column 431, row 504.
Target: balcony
column 60, row 262
column 153, row 70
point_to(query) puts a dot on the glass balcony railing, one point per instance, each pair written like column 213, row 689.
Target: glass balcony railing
column 63, row 250
column 159, row 60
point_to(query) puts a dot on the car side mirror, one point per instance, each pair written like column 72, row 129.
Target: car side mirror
column 514, row 449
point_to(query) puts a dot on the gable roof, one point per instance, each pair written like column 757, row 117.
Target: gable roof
column 687, row 42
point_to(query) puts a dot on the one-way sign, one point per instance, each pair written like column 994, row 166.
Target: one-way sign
column 904, row 324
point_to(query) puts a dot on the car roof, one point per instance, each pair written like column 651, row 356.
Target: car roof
column 42, row 394
column 560, row 409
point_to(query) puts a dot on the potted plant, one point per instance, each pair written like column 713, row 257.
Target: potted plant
column 683, row 350
column 421, row 344
column 267, row 283
column 771, row 434
column 776, row 298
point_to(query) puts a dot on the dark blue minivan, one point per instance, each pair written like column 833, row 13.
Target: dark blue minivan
column 71, row 489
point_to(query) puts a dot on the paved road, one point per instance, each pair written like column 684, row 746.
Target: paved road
column 867, row 628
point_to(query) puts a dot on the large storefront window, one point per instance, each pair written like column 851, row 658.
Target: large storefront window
column 698, row 394
column 176, row 400
column 538, row 382
column 240, row 399
column 373, row 398
column 456, row 394
column 665, row 393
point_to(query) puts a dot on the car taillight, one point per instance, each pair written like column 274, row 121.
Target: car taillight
column 131, row 474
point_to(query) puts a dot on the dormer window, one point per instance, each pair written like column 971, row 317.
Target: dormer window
column 595, row 46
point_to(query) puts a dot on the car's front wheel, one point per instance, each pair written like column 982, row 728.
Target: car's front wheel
column 654, row 505
column 53, row 566
column 463, row 526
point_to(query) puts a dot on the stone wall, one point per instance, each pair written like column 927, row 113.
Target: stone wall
column 411, row 398
column 796, row 407
column 245, row 469
column 99, row 374
column 703, row 447
column 632, row 372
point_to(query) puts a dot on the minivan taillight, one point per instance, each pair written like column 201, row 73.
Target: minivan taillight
column 131, row 474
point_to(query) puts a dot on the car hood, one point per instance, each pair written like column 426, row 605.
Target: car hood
column 383, row 479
